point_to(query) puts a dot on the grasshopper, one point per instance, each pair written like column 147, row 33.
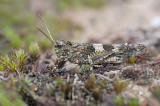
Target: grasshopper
column 93, row 54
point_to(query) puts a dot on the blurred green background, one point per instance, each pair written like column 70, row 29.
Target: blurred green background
column 96, row 21
column 19, row 18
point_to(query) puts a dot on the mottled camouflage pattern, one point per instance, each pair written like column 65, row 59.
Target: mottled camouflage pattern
column 95, row 54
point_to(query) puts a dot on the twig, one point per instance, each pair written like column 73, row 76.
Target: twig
column 104, row 77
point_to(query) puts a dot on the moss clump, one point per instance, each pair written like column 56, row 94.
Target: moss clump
column 20, row 56
column 132, row 59
column 119, row 100
column 8, row 97
column 95, row 87
column 13, row 63
column 34, row 51
column 119, row 85
column 134, row 102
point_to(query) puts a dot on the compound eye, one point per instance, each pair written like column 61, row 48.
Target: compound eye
column 69, row 43
column 60, row 43
column 59, row 46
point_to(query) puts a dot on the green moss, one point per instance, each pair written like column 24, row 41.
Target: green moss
column 3, row 52
column 97, row 93
column 12, row 66
column 5, row 61
column 90, row 84
column 132, row 59
column 119, row 85
column 9, row 97
column 14, row 63
column 134, row 102
column 20, row 56
column 1, row 67
column 34, row 51
column 34, row 48
column 27, row 95
column 85, row 67
column 119, row 100
column 59, row 81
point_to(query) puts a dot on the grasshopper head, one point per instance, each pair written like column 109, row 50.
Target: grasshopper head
column 61, row 48
column 59, row 43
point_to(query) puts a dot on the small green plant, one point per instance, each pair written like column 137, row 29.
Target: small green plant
column 85, row 67
column 94, row 87
column 1, row 67
column 12, row 66
column 20, row 55
column 8, row 97
column 14, row 63
column 34, row 48
column 119, row 100
column 27, row 95
column 59, row 81
column 21, row 58
column 90, row 84
column 134, row 102
column 5, row 61
column 97, row 93
column 132, row 59
column 119, row 85
column 34, row 51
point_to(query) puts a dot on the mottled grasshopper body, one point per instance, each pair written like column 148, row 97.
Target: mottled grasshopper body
column 94, row 54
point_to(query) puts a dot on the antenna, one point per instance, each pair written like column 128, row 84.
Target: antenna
column 50, row 38
column 45, row 35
